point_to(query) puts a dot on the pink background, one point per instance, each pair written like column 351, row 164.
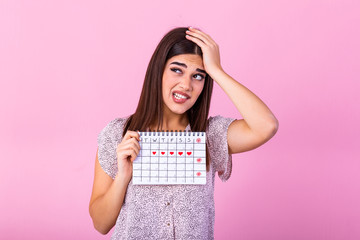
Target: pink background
column 67, row 68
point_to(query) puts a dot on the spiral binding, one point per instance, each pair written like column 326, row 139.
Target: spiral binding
column 171, row 133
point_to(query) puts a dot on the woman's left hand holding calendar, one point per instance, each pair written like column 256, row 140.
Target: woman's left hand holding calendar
column 127, row 152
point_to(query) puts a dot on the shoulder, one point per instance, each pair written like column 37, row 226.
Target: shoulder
column 218, row 124
column 108, row 140
column 217, row 129
column 217, row 132
column 116, row 123
column 113, row 129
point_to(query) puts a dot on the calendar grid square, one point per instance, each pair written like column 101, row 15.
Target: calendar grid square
column 170, row 158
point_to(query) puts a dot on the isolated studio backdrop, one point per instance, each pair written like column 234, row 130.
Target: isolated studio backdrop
column 67, row 68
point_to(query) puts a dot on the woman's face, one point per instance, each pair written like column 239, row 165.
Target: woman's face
column 182, row 82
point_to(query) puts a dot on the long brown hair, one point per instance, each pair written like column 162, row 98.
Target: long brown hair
column 150, row 106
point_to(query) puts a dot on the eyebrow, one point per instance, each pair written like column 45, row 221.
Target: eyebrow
column 184, row 65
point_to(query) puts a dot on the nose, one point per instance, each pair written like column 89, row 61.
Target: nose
column 186, row 82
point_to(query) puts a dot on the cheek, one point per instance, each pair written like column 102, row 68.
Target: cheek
column 165, row 84
column 168, row 82
column 199, row 87
column 166, row 89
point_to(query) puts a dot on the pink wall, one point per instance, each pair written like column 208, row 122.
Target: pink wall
column 69, row 67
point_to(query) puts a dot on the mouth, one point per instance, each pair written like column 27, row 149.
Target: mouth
column 180, row 97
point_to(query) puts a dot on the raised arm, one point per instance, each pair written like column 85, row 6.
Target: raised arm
column 259, row 123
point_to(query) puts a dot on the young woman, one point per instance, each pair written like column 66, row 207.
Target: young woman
column 175, row 96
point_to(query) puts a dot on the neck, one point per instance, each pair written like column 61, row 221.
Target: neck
column 172, row 121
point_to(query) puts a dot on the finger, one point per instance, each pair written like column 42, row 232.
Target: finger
column 196, row 40
column 133, row 156
column 198, row 33
column 205, row 46
column 125, row 154
column 135, row 143
column 125, row 144
column 131, row 144
column 192, row 34
column 132, row 134
column 135, row 146
column 130, row 153
column 210, row 43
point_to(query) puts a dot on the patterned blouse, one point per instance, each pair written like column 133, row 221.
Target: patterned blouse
column 168, row 211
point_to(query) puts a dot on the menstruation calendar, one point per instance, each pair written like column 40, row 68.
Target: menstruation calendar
column 170, row 158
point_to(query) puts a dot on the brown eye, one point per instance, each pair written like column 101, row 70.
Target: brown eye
column 175, row 70
column 199, row 77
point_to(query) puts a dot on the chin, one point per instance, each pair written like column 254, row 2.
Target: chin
column 178, row 110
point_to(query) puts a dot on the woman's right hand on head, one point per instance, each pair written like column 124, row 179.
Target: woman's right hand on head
column 127, row 152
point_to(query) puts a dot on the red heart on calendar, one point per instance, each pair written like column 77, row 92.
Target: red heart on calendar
column 171, row 153
column 198, row 140
column 198, row 173
column 162, row 153
column 154, row 153
column 180, row 153
column 199, row 159
column 189, row 153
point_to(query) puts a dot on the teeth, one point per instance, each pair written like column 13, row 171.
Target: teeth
column 179, row 96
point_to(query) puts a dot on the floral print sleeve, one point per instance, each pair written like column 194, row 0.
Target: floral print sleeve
column 220, row 157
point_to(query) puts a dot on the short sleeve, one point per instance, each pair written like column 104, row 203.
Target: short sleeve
column 219, row 151
column 107, row 140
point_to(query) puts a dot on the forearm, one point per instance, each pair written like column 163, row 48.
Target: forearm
column 106, row 208
column 254, row 111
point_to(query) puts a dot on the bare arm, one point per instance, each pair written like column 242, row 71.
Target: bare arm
column 106, row 199
column 259, row 123
column 108, row 195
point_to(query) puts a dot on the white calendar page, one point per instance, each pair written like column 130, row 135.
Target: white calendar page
column 170, row 158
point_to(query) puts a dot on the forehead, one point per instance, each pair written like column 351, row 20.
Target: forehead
column 191, row 60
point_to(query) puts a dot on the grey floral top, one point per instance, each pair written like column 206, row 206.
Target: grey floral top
column 168, row 211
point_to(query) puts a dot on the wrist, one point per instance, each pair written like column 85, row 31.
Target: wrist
column 217, row 74
column 122, row 179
